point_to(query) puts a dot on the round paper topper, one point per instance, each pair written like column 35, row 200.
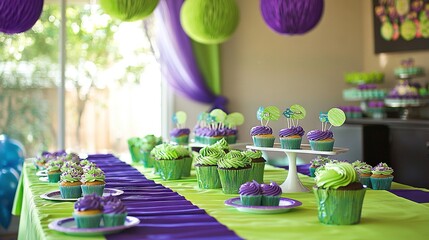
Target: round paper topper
column 181, row 117
column 218, row 114
column 298, row 111
column 336, row 117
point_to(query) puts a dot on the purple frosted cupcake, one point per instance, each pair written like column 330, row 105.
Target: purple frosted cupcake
column 262, row 136
column 250, row 194
column 180, row 135
column 381, row 178
column 88, row 211
column 271, row 194
column 321, row 140
column 114, row 212
column 290, row 138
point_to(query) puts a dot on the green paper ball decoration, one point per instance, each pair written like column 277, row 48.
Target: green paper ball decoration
column 209, row 21
column 129, row 10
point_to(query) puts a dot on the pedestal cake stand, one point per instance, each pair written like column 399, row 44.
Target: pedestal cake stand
column 292, row 183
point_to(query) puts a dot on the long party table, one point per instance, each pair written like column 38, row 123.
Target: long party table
column 180, row 210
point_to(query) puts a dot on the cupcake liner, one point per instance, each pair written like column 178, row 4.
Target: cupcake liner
column 198, row 139
column 290, row 143
column 212, row 140
column 135, row 153
column 381, row 183
column 231, row 179
column 71, row 191
column 322, row 145
column 90, row 189
column 155, row 167
column 257, row 172
column 87, row 221
column 54, row 177
column 187, row 165
column 146, row 159
column 247, row 200
column 170, row 169
column 270, row 200
column 231, row 139
column 207, row 177
column 365, row 181
column 181, row 140
column 263, row 141
column 111, row 220
column 312, row 171
column 339, row 207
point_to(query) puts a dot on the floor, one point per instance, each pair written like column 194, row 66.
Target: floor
column 12, row 232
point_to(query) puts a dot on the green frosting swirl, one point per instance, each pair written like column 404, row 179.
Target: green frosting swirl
column 55, row 166
column 207, row 160
column 93, row 174
column 253, row 154
column 234, row 160
column 364, row 169
column 165, row 152
column 84, row 162
column 382, row 169
column 71, row 175
column 70, row 165
column 319, row 161
column 335, row 175
column 222, row 144
column 358, row 163
column 182, row 151
column 212, row 151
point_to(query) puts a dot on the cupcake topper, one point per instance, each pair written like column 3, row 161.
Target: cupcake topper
column 259, row 114
column 179, row 119
column 335, row 117
column 296, row 112
column 323, row 117
column 234, row 119
column 219, row 117
column 269, row 113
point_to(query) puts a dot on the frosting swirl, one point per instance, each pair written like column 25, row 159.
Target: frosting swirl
column 234, row 160
column 362, row 167
column 261, row 130
column 222, row 144
column 206, row 160
column 88, row 202
column 165, row 152
column 71, row 175
column 335, row 175
column 54, row 166
column 113, row 205
column 212, row 150
column 272, row 189
column 317, row 135
column 176, row 132
column 287, row 132
column 382, row 169
column 250, row 189
column 93, row 174
column 70, row 165
column 319, row 161
column 182, row 151
column 253, row 154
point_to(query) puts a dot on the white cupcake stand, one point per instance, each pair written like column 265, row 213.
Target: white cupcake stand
column 292, row 183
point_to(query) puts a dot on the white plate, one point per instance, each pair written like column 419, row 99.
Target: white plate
column 285, row 205
column 56, row 195
column 42, row 173
column 68, row 226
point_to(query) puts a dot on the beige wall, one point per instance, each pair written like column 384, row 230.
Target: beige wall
column 261, row 67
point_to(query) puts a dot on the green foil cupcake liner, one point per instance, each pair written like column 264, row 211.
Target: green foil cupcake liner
column 170, row 169
column 71, row 191
column 187, row 165
column 207, row 177
column 135, row 153
column 111, row 220
column 181, row 140
column 212, row 140
column 54, row 177
column 381, row 183
column 90, row 189
column 322, row 145
column 365, row 181
column 146, row 159
column 231, row 179
column 257, row 172
column 270, row 200
column 231, row 139
column 87, row 221
column 263, row 141
column 155, row 167
column 247, row 200
column 290, row 143
column 339, row 207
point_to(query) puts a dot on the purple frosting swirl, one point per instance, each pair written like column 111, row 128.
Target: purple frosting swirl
column 317, row 135
column 176, row 132
column 261, row 130
column 250, row 189
column 271, row 190
column 286, row 132
column 116, row 207
column 88, row 202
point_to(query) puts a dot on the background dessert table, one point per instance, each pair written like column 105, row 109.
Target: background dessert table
column 164, row 214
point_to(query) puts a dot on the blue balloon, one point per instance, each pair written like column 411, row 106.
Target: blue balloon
column 11, row 153
column 8, row 183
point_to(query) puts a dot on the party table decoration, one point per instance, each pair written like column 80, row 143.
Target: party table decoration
column 291, row 137
column 129, row 10
column 17, row 16
column 291, row 17
column 209, row 22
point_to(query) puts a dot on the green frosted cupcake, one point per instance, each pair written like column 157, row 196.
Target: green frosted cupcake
column 70, row 184
column 54, row 171
column 223, row 145
column 258, row 165
column 206, row 167
column 364, row 171
column 234, row 169
column 317, row 162
column 88, row 211
column 339, row 194
column 381, row 178
column 250, row 194
column 271, row 194
column 93, row 181
column 169, row 164
column 185, row 154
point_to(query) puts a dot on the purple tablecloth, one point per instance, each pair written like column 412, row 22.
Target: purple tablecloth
column 163, row 214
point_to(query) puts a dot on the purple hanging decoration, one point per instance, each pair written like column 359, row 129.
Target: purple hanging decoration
column 17, row 16
column 291, row 17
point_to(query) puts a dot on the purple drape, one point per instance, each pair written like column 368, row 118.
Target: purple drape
column 178, row 63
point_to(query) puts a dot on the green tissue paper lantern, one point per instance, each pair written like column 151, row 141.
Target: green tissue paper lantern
column 209, row 21
column 129, row 10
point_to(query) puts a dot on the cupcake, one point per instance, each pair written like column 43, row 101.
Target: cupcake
column 364, row 171
column 317, row 162
column 290, row 138
column 93, row 181
column 258, row 165
column 381, row 178
column 234, row 169
column 114, row 212
column 339, row 194
column 321, row 140
column 250, row 194
column 169, row 164
column 262, row 135
column 54, row 171
column 88, row 211
column 148, row 143
column 271, row 194
column 180, row 136
column 223, row 145
column 70, row 184
column 206, row 167
column 134, row 148
column 187, row 160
